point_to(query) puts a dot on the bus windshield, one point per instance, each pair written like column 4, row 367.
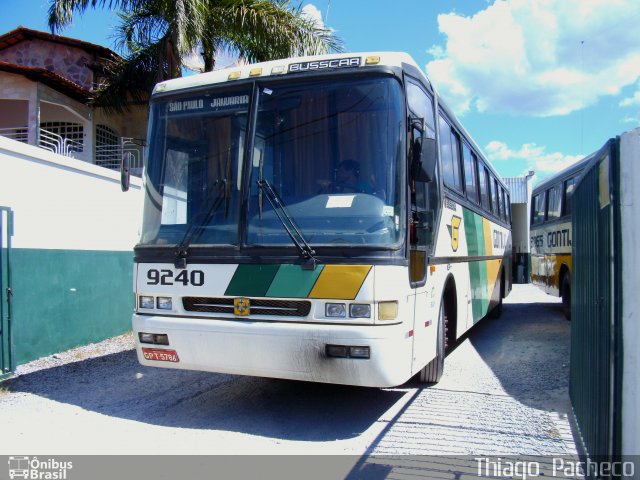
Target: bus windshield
column 331, row 150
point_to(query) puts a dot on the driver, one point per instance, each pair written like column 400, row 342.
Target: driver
column 347, row 178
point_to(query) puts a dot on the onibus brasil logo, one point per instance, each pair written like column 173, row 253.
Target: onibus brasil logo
column 33, row 468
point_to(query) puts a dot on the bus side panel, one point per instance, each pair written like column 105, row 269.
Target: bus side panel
column 414, row 311
column 475, row 251
column 550, row 250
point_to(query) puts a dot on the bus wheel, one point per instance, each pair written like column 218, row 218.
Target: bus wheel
column 566, row 296
column 432, row 372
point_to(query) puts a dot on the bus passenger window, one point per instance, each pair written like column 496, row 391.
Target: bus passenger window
column 553, row 195
column 569, row 186
column 484, row 190
column 539, row 208
column 494, row 196
column 471, row 182
column 450, row 154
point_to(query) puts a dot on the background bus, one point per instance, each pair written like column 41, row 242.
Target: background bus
column 324, row 219
column 551, row 233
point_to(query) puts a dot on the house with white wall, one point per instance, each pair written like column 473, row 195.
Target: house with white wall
column 47, row 85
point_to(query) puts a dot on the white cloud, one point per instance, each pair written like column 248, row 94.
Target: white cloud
column 631, row 101
column 224, row 59
column 311, row 12
column 535, row 157
column 543, row 57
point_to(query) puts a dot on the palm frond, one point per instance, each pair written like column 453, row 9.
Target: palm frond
column 130, row 80
column 61, row 11
column 266, row 29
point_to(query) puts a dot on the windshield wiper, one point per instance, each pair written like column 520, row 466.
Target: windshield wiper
column 199, row 222
column 307, row 253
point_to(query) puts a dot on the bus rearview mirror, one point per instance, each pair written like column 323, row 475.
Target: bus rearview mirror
column 125, row 171
column 425, row 164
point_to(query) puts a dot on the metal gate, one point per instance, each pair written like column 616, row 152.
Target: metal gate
column 6, row 347
column 596, row 308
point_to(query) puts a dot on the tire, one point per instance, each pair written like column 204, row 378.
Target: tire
column 566, row 296
column 497, row 310
column 432, row 371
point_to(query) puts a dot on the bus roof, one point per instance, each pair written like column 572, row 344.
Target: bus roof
column 280, row 67
column 570, row 171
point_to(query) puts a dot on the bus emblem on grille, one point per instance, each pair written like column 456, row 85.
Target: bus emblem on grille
column 241, row 307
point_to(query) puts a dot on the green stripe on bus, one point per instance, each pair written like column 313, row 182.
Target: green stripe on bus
column 479, row 291
column 476, row 246
column 474, row 233
column 251, row 280
column 293, row 282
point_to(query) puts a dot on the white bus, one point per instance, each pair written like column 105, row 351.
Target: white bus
column 322, row 218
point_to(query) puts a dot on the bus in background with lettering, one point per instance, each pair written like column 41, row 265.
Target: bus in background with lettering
column 324, row 218
column 551, row 233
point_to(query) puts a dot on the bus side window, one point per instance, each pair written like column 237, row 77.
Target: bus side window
column 569, row 186
column 484, row 190
column 539, row 208
column 470, row 175
column 493, row 183
column 450, row 154
column 503, row 204
column 421, row 104
column 554, row 194
column 508, row 205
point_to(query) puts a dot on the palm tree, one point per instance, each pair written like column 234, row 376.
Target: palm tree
column 156, row 35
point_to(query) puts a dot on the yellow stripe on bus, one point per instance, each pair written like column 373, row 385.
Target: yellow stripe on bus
column 488, row 244
column 493, row 270
column 340, row 281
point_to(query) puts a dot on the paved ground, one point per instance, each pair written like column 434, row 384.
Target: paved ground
column 504, row 391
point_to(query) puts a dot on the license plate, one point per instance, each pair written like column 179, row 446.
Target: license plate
column 160, row 355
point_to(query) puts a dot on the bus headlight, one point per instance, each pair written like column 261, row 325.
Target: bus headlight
column 164, row 303
column 145, row 302
column 359, row 310
column 335, row 310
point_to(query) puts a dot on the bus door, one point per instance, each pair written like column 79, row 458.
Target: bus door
column 6, row 231
column 424, row 206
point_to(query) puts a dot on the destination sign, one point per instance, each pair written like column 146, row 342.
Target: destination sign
column 324, row 64
column 207, row 103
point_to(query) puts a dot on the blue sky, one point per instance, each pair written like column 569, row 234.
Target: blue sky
column 538, row 84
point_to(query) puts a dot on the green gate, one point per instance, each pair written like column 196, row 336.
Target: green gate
column 6, row 347
column 596, row 348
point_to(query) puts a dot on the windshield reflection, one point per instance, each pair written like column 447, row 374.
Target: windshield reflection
column 331, row 150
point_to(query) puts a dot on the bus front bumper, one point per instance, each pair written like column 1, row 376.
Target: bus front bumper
column 296, row 351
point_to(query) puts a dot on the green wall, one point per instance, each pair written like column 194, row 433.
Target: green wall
column 66, row 298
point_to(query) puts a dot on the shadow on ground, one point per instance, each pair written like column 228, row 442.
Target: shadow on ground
column 527, row 349
column 117, row 385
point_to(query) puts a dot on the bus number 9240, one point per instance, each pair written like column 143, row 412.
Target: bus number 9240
column 185, row 277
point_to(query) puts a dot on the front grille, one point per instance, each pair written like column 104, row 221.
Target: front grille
column 259, row 306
